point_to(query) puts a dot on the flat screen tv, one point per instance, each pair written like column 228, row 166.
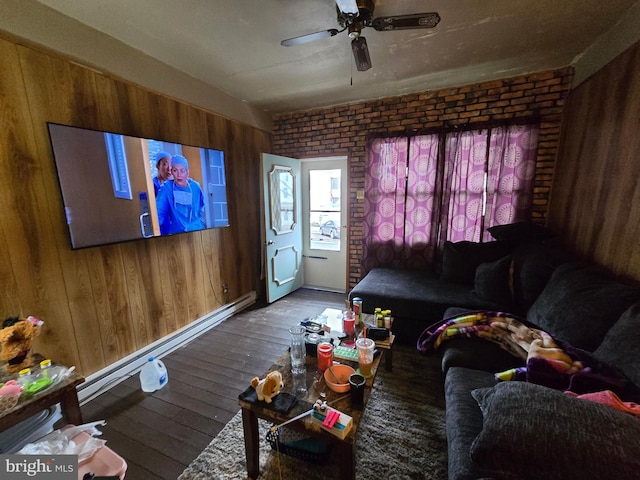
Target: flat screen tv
column 117, row 188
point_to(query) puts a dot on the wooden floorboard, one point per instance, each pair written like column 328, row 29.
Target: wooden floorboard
column 159, row 434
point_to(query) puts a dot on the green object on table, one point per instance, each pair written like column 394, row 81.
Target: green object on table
column 40, row 384
column 345, row 353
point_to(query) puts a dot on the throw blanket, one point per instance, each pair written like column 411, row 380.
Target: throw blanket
column 548, row 360
column 607, row 397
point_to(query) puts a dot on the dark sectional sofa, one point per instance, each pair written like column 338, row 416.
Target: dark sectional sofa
column 507, row 274
column 520, row 429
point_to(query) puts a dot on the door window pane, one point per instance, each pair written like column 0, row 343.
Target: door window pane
column 324, row 209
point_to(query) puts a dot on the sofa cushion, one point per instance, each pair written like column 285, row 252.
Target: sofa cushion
column 477, row 353
column 533, row 265
column 620, row 345
column 460, row 259
column 493, row 281
column 520, row 232
column 580, row 303
column 414, row 294
column 533, row 432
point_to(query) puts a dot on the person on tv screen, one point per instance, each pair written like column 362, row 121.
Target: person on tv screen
column 163, row 164
column 180, row 201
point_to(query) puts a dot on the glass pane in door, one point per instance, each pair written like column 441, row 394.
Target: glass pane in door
column 324, row 209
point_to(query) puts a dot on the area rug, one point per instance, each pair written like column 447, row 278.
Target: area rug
column 402, row 435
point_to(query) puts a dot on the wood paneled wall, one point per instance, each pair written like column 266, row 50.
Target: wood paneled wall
column 595, row 201
column 101, row 304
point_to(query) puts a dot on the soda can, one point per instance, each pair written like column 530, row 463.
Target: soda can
column 357, row 309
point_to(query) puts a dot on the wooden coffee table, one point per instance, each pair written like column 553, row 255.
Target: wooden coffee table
column 251, row 412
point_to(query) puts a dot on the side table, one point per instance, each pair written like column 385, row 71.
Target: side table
column 63, row 392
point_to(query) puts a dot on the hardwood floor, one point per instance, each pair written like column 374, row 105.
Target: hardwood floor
column 159, row 434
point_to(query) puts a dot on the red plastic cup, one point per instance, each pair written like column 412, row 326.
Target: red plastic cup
column 325, row 356
column 349, row 323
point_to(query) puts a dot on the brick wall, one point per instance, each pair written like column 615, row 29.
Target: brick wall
column 345, row 130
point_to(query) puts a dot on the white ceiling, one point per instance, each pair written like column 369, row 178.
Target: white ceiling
column 234, row 45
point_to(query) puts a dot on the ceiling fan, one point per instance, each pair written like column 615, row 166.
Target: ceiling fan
column 354, row 15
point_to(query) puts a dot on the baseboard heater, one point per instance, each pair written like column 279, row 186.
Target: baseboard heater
column 102, row 380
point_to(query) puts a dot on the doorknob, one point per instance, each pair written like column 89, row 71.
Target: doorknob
column 270, row 242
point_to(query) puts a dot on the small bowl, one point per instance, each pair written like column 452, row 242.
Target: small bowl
column 341, row 373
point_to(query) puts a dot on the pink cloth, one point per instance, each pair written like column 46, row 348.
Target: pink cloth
column 607, row 397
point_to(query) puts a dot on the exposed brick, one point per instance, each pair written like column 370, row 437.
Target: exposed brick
column 346, row 129
column 476, row 106
column 481, row 118
column 521, row 101
column 497, row 91
column 542, row 76
column 492, row 84
column 523, row 86
column 509, row 95
column 549, row 96
column 453, row 98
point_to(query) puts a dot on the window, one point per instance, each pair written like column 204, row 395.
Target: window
column 324, row 209
column 421, row 191
column 118, row 166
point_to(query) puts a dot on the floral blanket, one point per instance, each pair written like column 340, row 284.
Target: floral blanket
column 547, row 361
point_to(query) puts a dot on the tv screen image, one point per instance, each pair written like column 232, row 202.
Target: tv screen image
column 107, row 184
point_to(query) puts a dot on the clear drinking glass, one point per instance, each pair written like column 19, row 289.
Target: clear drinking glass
column 297, row 349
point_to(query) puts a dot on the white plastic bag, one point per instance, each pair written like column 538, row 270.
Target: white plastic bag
column 60, row 442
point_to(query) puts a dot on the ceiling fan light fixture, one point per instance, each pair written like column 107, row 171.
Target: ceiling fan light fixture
column 347, row 6
column 361, row 54
column 363, row 13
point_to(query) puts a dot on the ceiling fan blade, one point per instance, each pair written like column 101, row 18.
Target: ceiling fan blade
column 361, row 53
column 310, row 37
column 405, row 22
column 347, row 6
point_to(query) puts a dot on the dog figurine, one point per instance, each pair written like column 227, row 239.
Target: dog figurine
column 269, row 386
column 16, row 339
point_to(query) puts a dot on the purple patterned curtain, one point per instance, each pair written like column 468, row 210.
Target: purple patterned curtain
column 410, row 211
column 511, row 169
column 384, row 203
column 482, row 186
column 420, row 229
column 463, row 185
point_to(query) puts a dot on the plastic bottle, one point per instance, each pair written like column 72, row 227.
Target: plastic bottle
column 153, row 375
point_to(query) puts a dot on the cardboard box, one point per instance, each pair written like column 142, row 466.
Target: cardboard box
column 341, row 428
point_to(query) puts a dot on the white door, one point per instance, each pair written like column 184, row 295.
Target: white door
column 324, row 207
column 282, row 229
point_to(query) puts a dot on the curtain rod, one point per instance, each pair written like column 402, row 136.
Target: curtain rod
column 455, row 127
